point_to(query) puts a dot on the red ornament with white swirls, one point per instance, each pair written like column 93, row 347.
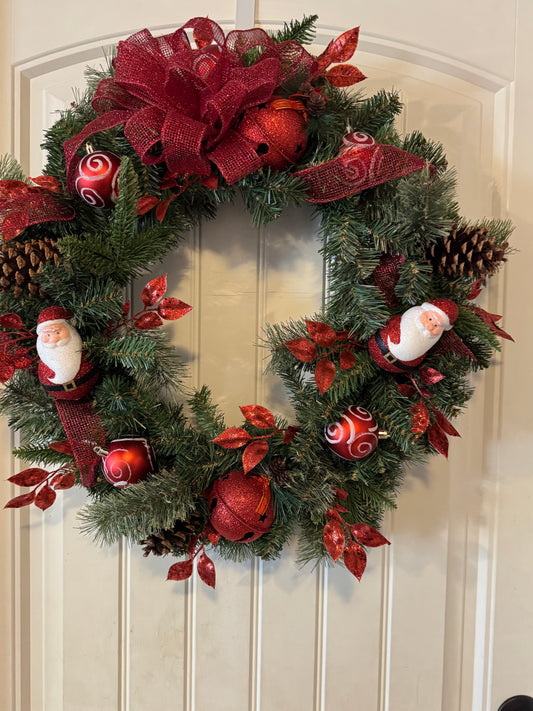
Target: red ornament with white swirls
column 96, row 178
column 127, row 461
column 355, row 436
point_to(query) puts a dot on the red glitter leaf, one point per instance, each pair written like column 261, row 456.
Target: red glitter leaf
column 64, row 446
column 22, row 361
column 340, row 49
column 258, row 416
column 67, row 481
column 437, row 438
column 340, row 494
column 154, row 290
column 45, row 498
column 146, row 203
column 180, row 571
column 232, row 438
column 147, row 321
column 342, row 509
column 126, row 308
column 475, row 289
column 161, row 209
column 420, row 418
column 445, row 425
column 206, row 570
column 253, row 454
column 6, row 371
column 212, row 535
column 344, row 75
column 48, row 182
column 430, row 376
column 355, row 559
column 405, row 389
column 321, row 333
column 490, row 320
column 29, row 477
column 11, row 320
column 368, row 536
column 334, row 539
column 20, row 501
column 348, row 360
column 302, row 348
column 334, row 515
column 324, row 375
column 290, row 433
column 172, row 309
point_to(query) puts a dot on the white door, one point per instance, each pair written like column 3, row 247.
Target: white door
column 443, row 619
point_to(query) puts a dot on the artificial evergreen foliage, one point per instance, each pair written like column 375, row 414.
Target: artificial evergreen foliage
column 141, row 385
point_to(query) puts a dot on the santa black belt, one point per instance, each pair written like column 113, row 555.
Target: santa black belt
column 387, row 355
column 72, row 384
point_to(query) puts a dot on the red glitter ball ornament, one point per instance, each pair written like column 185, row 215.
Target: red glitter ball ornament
column 277, row 132
column 240, row 506
column 355, row 436
column 96, row 178
column 128, row 461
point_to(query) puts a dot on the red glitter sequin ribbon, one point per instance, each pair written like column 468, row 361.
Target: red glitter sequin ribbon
column 22, row 205
column 84, row 432
column 361, row 164
column 179, row 102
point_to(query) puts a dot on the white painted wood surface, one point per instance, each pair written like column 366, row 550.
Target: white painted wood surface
column 441, row 620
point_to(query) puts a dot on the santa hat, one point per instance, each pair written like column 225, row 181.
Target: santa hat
column 51, row 315
column 447, row 308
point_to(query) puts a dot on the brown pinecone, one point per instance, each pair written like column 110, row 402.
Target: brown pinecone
column 175, row 539
column 313, row 100
column 467, row 251
column 278, row 470
column 21, row 261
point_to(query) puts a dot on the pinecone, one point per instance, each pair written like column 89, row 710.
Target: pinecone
column 467, row 251
column 175, row 539
column 21, row 261
column 314, row 101
column 278, row 470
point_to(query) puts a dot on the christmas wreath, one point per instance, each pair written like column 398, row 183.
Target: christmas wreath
column 176, row 126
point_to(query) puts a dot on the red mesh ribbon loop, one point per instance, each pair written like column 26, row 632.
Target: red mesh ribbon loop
column 22, row 205
column 362, row 164
column 84, row 431
column 179, row 103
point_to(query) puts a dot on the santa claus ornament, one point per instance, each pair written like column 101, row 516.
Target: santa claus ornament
column 240, row 506
column 403, row 343
column 127, row 461
column 354, row 436
column 63, row 371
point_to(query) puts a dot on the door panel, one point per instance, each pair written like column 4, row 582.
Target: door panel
column 442, row 618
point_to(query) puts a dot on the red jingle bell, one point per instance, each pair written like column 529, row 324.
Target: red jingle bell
column 127, row 461
column 355, row 436
column 240, row 506
column 96, row 178
column 277, row 132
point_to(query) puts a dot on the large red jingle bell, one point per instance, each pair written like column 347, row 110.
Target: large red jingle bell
column 277, row 132
column 96, row 178
column 127, row 461
column 355, row 436
column 240, row 506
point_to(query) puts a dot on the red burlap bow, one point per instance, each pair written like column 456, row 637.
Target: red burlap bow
column 179, row 103
column 22, row 205
column 361, row 164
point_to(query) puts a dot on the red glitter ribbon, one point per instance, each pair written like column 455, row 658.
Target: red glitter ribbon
column 22, row 205
column 84, row 432
column 179, row 103
column 361, row 164
column 386, row 276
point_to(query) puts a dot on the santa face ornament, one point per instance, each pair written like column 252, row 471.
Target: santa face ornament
column 63, row 370
column 403, row 343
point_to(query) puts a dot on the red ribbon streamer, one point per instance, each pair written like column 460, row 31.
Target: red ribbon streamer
column 84, row 432
column 22, row 205
column 362, row 164
column 179, row 103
